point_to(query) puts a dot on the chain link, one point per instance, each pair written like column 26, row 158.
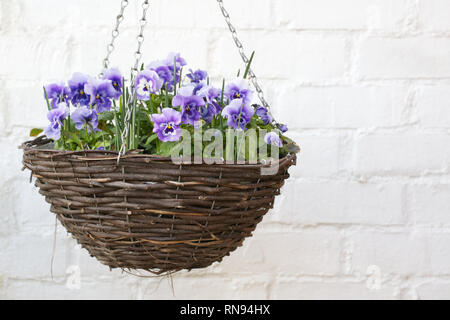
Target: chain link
column 134, row 72
column 140, row 38
column 240, row 47
column 114, row 35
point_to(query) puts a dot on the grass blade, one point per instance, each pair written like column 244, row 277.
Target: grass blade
column 174, row 76
column 248, row 65
column 46, row 99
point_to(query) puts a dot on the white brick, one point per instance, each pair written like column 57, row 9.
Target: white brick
column 392, row 253
column 59, row 290
column 420, row 253
column 402, row 153
column 42, row 58
column 321, row 290
column 306, row 252
column 344, row 14
column 341, row 107
column 10, row 173
column 28, row 108
column 156, row 46
column 94, row 13
column 231, row 287
column 439, row 253
column 20, row 16
column 313, row 59
column 429, row 204
column 19, row 214
column 339, row 202
column 203, row 14
column 90, row 268
column 3, row 293
column 320, row 156
column 11, row 170
column 433, row 105
column 28, row 256
column 390, row 58
column 433, row 15
column 434, row 290
column 33, row 213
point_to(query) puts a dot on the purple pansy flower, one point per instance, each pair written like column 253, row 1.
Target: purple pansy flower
column 209, row 110
column 273, row 138
column 174, row 57
column 238, row 89
column 238, row 114
column 101, row 92
column 187, row 90
column 147, row 82
column 189, row 107
column 206, row 91
column 56, row 93
column 77, row 92
column 167, row 125
column 85, row 116
column 56, row 116
column 115, row 77
column 263, row 113
column 283, row 128
column 164, row 72
column 197, row 76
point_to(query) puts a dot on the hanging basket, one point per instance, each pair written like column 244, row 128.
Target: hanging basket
column 147, row 212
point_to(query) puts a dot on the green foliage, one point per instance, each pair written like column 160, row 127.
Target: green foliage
column 248, row 65
column 46, row 98
column 111, row 125
column 35, row 132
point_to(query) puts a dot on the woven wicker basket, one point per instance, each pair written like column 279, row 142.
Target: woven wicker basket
column 149, row 213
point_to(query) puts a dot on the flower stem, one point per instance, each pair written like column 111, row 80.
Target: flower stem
column 174, row 76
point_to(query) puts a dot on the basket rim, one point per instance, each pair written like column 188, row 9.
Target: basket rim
column 30, row 146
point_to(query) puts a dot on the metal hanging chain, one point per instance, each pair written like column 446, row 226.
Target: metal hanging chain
column 140, row 38
column 134, row 72
column 238, row 43
column 114, row 35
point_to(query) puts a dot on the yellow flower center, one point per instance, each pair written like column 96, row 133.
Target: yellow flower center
column 98, row 97
column 81, row 92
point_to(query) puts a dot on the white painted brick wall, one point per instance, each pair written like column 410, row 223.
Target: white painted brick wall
column 364, row 86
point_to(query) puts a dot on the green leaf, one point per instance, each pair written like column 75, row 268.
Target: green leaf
column 174, row 76
column 98, row 135
column 104, row 144
column 150, row 139
column 46, row 99
column 106, row 115
column 75, row 138
column 35, row 132
column 165, row 148
column 248, row 65
column 221, row 93
column 166, row 97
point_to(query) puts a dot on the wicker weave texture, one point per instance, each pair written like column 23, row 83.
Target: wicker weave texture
column 149, row 213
